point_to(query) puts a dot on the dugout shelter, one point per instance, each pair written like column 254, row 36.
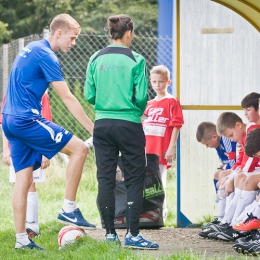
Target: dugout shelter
column 215, row 63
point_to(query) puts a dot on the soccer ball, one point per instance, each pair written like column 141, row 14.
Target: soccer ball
column 69, row 234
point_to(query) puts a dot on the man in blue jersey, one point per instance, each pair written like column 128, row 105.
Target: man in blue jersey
column 31, row 136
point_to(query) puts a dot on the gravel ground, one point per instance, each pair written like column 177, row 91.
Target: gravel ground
column 177, row 240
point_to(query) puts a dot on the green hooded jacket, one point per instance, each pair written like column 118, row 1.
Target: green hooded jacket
column 116, row 84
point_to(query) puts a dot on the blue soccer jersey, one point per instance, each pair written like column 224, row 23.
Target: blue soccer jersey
column 29, row 134
column 227, row 152
column 32, row 71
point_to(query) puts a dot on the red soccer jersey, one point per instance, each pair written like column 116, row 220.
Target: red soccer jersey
column 46, row 108
column 163, row 115
column 246, row 163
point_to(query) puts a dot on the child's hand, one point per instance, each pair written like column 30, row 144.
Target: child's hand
column 45, row 162
column 222, row 183
column 170, row 156
column 229, row 186
column 6, row 156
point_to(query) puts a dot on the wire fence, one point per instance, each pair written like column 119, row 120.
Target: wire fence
column 74, row 65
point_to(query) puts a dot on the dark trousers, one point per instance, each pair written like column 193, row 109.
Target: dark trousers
column 111, row 137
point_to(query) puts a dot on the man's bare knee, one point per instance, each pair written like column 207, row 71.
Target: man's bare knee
column 81, row 151
column 75, row 147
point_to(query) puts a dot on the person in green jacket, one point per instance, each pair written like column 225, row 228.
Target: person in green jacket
column 116, row 85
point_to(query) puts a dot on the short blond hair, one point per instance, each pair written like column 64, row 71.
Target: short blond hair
column 227, row 120
column 64, row 21
column 161, row 69
column 205, row 131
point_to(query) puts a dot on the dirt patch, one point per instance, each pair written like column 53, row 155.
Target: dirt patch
column 177, row 240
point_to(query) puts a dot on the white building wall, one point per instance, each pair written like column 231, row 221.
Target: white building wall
column 216, row 69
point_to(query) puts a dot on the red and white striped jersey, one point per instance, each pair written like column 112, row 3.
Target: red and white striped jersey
column 244, row 162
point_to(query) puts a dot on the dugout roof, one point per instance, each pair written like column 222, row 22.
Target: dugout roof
column 248, row 9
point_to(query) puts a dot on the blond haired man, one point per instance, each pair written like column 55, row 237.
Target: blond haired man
column 31, row 136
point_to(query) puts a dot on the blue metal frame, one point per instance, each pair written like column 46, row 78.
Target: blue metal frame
column 182, row 220
column 166, row 20
column 165, row 25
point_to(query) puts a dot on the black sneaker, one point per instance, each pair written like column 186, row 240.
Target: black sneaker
column 249, row 248
column 238, row 246
column 214, row 235
column 214, row 221
column 220, row 227
column 253, row 235
column 205, row 232
column 212, row 229
column 230, row 235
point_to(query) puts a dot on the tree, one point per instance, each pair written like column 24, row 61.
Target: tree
column 143, row 13
column 5, row 35
column 31, row 16
column 17, row 14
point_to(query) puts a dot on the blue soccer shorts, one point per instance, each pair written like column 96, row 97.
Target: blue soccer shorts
column 30, row 138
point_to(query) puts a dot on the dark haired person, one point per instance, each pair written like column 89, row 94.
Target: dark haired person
column 116, row 84
column 250, row 106
column 31, row 136
column 252, row 145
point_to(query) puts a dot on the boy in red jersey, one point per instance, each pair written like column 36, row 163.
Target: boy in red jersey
column 231, row 126
column 163, row 123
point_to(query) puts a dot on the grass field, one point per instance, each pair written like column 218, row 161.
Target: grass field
column 51, row 196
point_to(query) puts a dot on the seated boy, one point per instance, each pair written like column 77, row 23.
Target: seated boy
column 252, row 221
column 226, row 150
column 230, row 125
column 252, row 149
column 250, row 104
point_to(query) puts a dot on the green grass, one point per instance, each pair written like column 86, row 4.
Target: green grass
column 85, row 248
column 51, row 196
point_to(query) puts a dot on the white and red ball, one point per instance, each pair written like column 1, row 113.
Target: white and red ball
column 69, row 234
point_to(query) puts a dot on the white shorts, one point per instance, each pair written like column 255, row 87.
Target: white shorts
column 38, row 175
